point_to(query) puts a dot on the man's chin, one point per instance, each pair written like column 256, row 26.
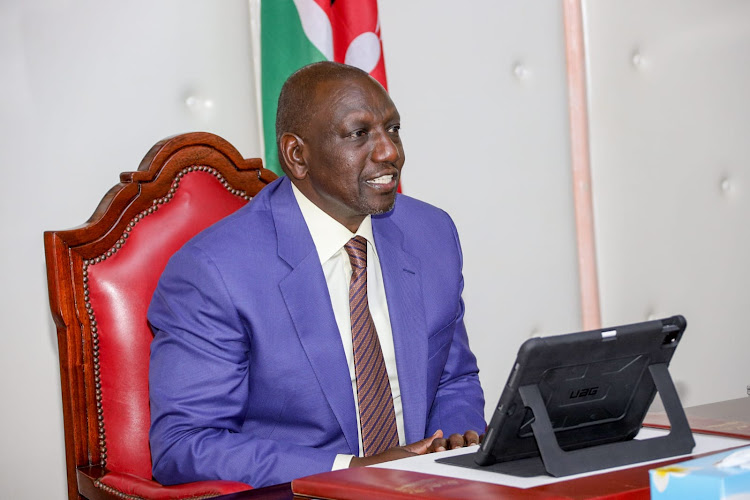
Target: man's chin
column 384, row 209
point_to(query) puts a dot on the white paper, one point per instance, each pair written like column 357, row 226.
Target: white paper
column 704, row 443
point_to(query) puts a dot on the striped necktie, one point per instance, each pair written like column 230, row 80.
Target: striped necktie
column 376, row 415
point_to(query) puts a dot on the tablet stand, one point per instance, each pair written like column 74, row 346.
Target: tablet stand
column 558, row 463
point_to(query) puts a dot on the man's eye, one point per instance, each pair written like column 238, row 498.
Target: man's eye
column 395, row 129
column 358, row 133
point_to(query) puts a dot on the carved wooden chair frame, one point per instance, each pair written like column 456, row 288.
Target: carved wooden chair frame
column 71, row 256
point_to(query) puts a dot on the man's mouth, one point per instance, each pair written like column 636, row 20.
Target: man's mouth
column 382, row 180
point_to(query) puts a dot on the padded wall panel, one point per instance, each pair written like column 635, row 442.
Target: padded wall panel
column 87, row 87
column 482, row 93
column 669, row 107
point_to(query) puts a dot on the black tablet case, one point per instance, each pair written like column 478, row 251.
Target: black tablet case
column 574, row 402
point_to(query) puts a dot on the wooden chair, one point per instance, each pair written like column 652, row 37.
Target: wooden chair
column 101, row 276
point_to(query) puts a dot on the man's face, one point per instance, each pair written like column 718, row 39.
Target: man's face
column 353, row 151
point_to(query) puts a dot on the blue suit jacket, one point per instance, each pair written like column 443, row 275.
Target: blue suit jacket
column 248, row 378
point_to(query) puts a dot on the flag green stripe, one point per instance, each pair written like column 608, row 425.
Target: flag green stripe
column 284, row 49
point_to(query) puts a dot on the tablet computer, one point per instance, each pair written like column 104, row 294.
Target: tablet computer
column 583, row 390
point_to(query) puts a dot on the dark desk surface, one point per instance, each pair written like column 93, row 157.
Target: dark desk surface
column 278, row 492
column 734, row 409
column 730, row 418
column 727, row 418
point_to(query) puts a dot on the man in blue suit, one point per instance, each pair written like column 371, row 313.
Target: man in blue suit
column 252, row 374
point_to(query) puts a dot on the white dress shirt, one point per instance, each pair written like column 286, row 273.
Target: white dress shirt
column 329, row 237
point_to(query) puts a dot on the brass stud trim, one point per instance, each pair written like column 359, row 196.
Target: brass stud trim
column 114, row 491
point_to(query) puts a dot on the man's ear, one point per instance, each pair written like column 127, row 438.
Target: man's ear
column 292, row 146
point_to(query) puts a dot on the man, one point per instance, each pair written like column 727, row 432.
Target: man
column 321, row 326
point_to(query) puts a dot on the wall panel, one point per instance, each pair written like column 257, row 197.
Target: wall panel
column 482, row 92
column 86, row 88
column 670, row 116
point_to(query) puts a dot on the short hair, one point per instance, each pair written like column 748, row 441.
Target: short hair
column 297, row 95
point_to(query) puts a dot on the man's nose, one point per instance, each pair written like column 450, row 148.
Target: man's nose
column 385, row 150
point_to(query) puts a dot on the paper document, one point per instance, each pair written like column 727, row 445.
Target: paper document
column 704, row 443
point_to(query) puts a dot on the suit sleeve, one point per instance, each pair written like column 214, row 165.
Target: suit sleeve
column 198, row 384
column 459, row 401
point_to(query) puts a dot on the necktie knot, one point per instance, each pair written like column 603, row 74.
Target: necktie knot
column 356, row 248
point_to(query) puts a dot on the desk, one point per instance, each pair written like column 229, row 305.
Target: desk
column 728, row 418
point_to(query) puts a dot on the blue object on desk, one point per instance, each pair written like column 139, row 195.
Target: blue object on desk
column 724, row 475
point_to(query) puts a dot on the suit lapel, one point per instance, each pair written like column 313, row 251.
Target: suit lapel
column 403, row 290
column 306, row 296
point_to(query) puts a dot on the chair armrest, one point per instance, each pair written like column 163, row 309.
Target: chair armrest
column 99, row 483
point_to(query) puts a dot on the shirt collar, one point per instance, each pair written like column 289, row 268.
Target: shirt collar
column 328, row 234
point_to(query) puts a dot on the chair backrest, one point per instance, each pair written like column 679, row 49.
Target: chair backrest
column 102, row 274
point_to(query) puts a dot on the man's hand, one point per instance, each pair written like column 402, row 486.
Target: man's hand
column 410, row 450
column 455, row 441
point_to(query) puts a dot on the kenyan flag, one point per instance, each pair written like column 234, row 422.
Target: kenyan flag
column 298, row 32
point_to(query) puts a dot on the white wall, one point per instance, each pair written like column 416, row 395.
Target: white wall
column 669, row 106
column 481, row 91
column 88, row 86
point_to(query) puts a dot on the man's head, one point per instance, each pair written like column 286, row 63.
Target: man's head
column 337, row 132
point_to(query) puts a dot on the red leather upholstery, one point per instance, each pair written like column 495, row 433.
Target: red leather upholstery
column 101, row 276
column 118, row 483
column 120, row 291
